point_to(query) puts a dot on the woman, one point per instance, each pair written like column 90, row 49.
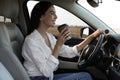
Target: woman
column 41, row 49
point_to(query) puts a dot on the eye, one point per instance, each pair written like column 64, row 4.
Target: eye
column 52, row 13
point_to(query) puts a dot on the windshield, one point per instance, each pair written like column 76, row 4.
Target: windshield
column 108, row 11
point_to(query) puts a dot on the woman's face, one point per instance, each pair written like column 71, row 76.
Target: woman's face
column 49, row 17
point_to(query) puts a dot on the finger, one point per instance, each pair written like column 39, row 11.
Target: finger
column 63, row 31
column 66, row 34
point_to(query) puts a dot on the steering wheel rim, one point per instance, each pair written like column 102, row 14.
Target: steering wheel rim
column 84, row 63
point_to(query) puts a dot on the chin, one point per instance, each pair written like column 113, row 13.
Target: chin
column 52, row 25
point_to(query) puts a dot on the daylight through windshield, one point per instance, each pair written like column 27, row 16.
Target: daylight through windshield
column 108, row 11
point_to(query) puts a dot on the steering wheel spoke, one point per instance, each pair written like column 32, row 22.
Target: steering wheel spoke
column 90, row 52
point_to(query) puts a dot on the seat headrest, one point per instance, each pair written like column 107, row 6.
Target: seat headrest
column 9, row 8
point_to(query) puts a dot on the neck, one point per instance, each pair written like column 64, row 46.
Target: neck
column 42, row 29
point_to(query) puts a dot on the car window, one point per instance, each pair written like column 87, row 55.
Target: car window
column 68, row 18
column 63, row 17
column 107, row 11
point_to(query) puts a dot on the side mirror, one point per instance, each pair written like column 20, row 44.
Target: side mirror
column 86, row 31
column 93, row 3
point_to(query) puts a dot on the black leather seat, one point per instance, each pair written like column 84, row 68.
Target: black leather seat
column 11, row 40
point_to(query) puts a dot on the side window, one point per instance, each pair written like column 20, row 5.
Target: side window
column 63, row 17
column 30, row 5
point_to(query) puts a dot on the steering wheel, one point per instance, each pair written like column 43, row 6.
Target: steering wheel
column 90, row 52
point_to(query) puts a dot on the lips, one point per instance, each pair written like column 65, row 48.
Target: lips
column 53, row 21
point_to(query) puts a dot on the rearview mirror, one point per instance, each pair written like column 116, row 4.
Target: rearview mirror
column 93, row 3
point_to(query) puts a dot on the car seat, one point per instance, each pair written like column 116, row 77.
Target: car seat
column 4, row 74
column 11, row 40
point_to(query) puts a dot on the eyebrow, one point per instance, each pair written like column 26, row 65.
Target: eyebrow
column 52, row 11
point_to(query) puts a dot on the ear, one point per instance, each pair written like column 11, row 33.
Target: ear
column 42, row 17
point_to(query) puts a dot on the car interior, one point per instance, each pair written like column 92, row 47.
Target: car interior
column 4, row 74
column 14, row 30
column 11, row 40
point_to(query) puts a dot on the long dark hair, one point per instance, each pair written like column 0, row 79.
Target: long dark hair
column 39, row 10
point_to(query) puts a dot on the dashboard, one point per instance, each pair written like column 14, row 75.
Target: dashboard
column 111, row 48
column 112, row 45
